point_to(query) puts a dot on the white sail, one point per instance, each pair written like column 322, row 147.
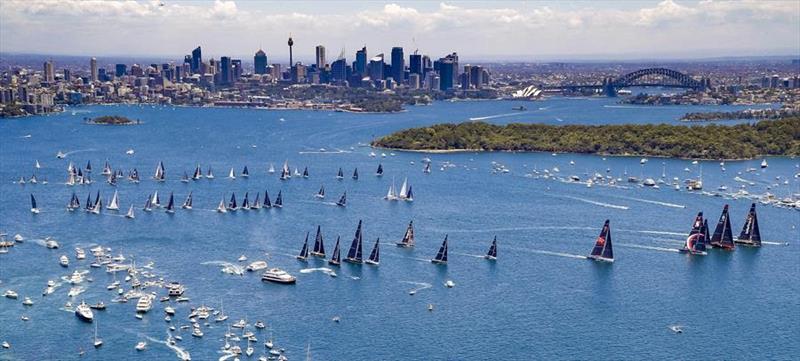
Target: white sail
column 130, row 213
column 232, row 174
column 271, row 168
column 154, row 200
column 38, row 166
column 114, row 204
column 221, row 206
column 404, row 189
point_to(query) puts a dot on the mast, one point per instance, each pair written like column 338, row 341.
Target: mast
column 319, row 246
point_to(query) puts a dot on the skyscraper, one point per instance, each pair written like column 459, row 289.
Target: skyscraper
column 398, row 65
column 236, row 65
column 375, row 67
column 197, row 58
column 321, row 57
column 226, row 70
column 339, row 70
column 93, row 69
column 361, row 62
column 447, row 73
column 260, row 62
column 49, row 72
column 120, row 70
column 415, row 64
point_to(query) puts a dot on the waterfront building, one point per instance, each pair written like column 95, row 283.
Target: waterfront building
column 360, row 66
column 339, row 70
column 321, row 63
column 226, row 70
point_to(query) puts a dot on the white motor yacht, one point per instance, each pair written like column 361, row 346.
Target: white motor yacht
column 141, row 346
column 64, row 261
column 144, row 304
column 278, row 275
column 84, row 312
column 256, row 266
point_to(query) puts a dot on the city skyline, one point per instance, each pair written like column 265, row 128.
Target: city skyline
column 609, row 30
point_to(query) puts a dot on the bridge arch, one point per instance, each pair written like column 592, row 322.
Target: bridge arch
column 682, row 80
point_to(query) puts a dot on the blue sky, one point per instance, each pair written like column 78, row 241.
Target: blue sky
column 515, row 30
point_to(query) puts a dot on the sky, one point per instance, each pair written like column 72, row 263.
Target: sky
column 497, row 30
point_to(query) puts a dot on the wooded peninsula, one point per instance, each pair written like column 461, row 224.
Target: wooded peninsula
column 742, row 141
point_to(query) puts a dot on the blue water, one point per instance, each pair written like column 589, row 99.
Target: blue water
column 540, row 300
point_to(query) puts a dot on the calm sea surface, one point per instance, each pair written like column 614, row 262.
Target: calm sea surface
column 540, row 300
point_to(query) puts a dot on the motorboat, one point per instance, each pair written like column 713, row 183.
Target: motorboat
column 256, row 266
column 278, row 275
column 64, row 261
column 141, row 345
column 84, row 312
column 144, row 304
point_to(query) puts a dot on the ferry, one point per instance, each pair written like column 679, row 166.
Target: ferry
column 278, row 276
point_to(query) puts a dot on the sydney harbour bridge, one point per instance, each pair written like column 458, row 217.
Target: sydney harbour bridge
column 659, row 77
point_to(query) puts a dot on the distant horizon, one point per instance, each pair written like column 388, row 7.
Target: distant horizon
column 479, row 30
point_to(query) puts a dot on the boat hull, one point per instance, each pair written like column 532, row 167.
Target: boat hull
column 279, row 280
column 600, row 259
column 436, row 261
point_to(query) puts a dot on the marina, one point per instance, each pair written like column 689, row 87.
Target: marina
column 466, row 206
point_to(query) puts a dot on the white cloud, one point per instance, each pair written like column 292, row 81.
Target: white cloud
column 227, row 27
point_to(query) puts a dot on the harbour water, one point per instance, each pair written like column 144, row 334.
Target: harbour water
column 539, row 300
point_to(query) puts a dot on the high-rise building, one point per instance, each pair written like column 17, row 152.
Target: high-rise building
column 398, row 64
column 361, row 62
column 49, row 72
column 226, row 70
column 67, row 75
column 375, row 67
column 447, row 73
column 298, row 73
column 415, row 64
column 236, row 64
column 321, row 57
column 93, row 69
column 120, row 70
column 197, row 59
column 260, row 62
column 413, row 81
column 476, row 76
column 339, row 70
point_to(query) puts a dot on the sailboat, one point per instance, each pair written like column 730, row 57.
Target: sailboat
column 156, row 202
column 343, row 200
column 492, row 254
column 279, row 200
column 427, row 168
column 232, row 174
column 706, row 235
column 267, row 202
column 246, row 202
column 98, row 204
column 304, row 251
column 114, row 204
column 603, row 250
column 296, row 172
column 375, row 255
column 245, row 172
column 355, row 174
column 764, row 164
column 209, row 174
column 305, row 172
column 336, row 257
column 159, row 176
column 34, row 207
column 379, row 172
column 232, row 206
column 170, row 204
column 187, row 204
column 340, row 174
column 97, row 341
column 391, row 194
column 751, row 234
column 37, row 165
column 286, row 173
column 185, row 178
column 409, row 195
column 321, row 193
column 319, row 246
column 256, row 205
column 148, row 205
column 197, row 173
column 403, row 189
column 221, row 207
column 88, row 166
column 354, row 254
column 134, row 176
column 723, row 236
column 74, row 203
column 130, row 214
column 408, row 237
column 695, row 243
column 106, row 169
column 89, row 204
column 441, row 256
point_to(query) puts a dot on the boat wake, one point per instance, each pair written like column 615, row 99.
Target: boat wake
column 467, row 254
column 773, row 243
column 601, row 204
column 337, row 151
column 653, row 232
column 324, row 270
column 79, row 151
column 420, row 286
column 508, row 229
column 227, row 267
column 665, row 204
column 77, row 290
column 180, row 352
column 648, row 247
column 549, row 253
column 496, row 116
